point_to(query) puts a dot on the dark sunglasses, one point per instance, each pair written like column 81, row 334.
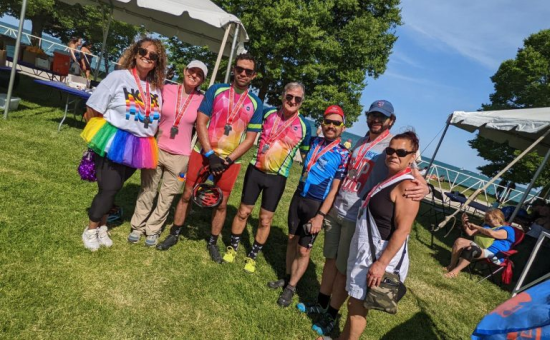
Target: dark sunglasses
column 399, row 152
column 249, row 72
column 378, row 115
column 335, row 123
column 297, row 99
column 152, row 55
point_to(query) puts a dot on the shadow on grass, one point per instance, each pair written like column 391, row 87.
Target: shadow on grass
column 420, row 326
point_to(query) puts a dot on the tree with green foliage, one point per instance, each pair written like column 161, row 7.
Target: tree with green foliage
column 331, row 46
column 523, row 82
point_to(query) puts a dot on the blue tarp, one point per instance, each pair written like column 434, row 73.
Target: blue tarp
column 525, row 316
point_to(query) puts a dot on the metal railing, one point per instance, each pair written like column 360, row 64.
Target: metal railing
column 463, row 182
column 48, row 46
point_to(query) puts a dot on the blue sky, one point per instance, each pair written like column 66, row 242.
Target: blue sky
column 442, row 62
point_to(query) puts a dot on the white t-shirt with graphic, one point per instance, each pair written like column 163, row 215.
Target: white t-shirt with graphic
column 118, row 98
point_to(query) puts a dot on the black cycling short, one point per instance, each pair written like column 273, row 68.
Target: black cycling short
column 302, row 210
column 256, row 181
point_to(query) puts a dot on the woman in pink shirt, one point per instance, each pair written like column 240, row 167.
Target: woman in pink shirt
column 179, row 112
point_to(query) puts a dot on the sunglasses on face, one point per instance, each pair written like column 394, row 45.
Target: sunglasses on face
column 239, row 70
column 297, row 99
column 335, row 123
column 399, row 152
column 377, row 115
column 152, row 55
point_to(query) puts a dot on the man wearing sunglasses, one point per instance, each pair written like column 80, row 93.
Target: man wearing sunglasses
column 228, row 121
column 366, row 168
column 324, row 168
column 284, row 131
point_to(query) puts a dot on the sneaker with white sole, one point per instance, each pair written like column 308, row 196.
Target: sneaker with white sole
column 89, row 237
column 103, row 237
column 134, row 236
column 151, row 240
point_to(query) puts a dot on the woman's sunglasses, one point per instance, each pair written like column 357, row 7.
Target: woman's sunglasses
column 297, row 99
column 399, row 152
column 248, row 72
column 152, row 55
column 335, row 123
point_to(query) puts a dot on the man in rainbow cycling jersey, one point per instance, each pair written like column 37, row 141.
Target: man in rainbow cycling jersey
column 284, row 130
column 324, row 169
column 228, row 121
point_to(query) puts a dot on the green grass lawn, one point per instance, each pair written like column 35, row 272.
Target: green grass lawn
column 51, row 287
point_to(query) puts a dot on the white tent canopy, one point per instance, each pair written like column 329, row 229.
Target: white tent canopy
column 524, row 129
column 198, row 22
column 519, row 127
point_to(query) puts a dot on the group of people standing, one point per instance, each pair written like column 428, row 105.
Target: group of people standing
column 136, row 122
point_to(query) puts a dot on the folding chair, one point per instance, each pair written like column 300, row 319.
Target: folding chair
column 506, row 265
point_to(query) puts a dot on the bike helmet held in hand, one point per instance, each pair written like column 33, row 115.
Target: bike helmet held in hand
column 206, row 195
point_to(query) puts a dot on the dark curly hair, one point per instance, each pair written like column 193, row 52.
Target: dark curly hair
column 246, row 56
column 410, row 136
column 156, row 76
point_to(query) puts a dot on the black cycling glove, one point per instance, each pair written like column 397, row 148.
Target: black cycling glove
column 216, row 163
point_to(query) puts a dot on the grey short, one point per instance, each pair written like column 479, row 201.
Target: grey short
column 338, row 234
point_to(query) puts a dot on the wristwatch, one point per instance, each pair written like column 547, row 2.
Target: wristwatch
column 321, row 213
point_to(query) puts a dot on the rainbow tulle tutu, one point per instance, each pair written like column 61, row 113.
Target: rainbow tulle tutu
column 120, row 146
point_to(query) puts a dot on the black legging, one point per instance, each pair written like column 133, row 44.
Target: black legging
column 110, row 179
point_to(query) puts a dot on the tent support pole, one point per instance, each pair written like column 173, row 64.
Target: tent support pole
column 15, row 57
column 105, row 34
column 233, row 44
column 220, row 53
column 438, row 145
column 528, row 190
column 518, row 287
column 474, row 195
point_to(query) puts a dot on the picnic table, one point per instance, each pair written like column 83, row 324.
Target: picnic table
column 74, row 96
column 456, row 197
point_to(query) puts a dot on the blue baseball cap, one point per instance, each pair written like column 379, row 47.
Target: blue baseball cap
column 382, row 106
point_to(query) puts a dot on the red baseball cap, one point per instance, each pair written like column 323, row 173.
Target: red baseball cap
column 335, row 109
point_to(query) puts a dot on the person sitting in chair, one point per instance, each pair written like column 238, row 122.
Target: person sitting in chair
column 489, row 240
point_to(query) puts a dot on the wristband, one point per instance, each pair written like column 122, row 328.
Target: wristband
column 321, row 213
column 209, row 153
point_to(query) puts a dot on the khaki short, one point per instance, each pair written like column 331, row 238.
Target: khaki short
column 338, row 234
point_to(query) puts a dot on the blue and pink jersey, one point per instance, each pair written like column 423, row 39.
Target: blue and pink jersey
column 277, row 147
column 331, row 165
column 248, row 118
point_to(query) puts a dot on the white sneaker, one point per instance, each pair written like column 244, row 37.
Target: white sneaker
column 89, row 237
column 103, row 236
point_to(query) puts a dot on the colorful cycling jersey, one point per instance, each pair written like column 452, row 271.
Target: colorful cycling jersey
column 331, row 165
column 224, row 140
column 370, row 170
column 276, row 150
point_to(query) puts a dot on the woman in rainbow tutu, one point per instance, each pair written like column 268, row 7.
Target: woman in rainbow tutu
column 123, row 116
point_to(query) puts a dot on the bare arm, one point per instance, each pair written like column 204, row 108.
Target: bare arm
column 91, row 113
column 405, row 213
column 202, row 131
column 244, row 146
column 498, row 234
column 317, row 221
column 468, row 225
column 418, row 191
